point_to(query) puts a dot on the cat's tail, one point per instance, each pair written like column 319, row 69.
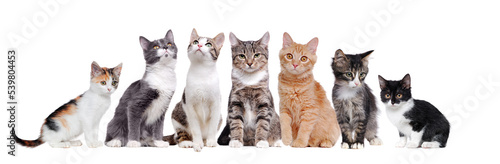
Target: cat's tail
column 170, row 139
column 224, row 136
column 27, row 143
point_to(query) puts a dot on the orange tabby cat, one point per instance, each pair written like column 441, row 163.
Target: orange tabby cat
column 306, row 115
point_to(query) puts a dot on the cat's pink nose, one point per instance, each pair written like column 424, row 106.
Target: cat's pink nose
column 199, row 45
column 295, row 66
column 356, row 84
column 109, row 89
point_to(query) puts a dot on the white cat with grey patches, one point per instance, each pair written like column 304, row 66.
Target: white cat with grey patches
column 197, row 118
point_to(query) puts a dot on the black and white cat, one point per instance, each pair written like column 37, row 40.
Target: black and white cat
column 417, row 120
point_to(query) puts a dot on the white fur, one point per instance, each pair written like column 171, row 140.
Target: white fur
column 161, row 144
column 278, row 143
column 376, row 141
column 235, row 144
column 395, row 114
column 345, row 145
column 249, row 78
column 357, row 146
column 186, row 144
column 133, row 144
column 352, row 84
column 114, row 143
column 401, row 143
column 346, row 93
column 262, row 144
column 433, row 144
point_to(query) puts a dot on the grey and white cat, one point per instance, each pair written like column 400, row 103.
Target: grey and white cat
column 353, row 100
column 252, row 120
column 140, row 114
column 196, row 119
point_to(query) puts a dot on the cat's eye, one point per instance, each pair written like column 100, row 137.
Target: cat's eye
column 241, row 56
column 103, row 82
column 169, row 44
column 195, row 42
column 303, row 59
column 114, row 83
column 256, row 56
column 289, row 56
column 208, row 44
column 399, row 96
column 156, row 47
column 348, row 74
column 362, row 74
column 387, row 96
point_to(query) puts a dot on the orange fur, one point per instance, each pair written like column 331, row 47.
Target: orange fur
column 103, row 77
column 306, row 115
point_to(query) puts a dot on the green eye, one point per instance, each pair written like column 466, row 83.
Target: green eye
column 348, row 74
column 208, row 44
column 195, row 42
column 241, row 56
column 256, row 56
column 114, row 83
column 362, row 75
column 103, row 82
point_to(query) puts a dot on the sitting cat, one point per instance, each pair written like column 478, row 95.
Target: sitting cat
column 80, row 115
column 353, row 100
column 416, row 120
column 306, row 115
column 251, row 119
column 138, row 119
column 197, row 118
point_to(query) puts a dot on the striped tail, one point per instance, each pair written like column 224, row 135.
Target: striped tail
column 170, row 139
column 27, row 143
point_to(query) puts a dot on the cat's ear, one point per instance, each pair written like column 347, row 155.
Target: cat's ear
column 96, row 70
column 144, row 43
column 194, row 35
column 382, row 82
column 313, row 45
column 364, row 56
column 118, row 69
column 287, row 40
column 264, row 41
column 339, row 56
column 234, row 40
column 219, row 40
column 169, row 36
column 406, row 81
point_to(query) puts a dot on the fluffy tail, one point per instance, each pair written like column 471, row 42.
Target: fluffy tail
column 27, row 143
column 170, row 139
column 224, row 136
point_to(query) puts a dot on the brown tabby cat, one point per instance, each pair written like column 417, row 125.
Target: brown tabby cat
column 306, row 115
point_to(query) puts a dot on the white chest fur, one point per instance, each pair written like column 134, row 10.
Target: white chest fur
column 346, row 93
column 249, row 78
column 164, row 81
column 396, row 116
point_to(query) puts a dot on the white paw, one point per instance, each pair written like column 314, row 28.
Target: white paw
column 357, row 146
column 75, row 143
column 94, row 144
column 114, row 143
column 376, row 141
column 133, row 144
column 412, row 145
column 345, row 145
column 278, row 143
column 197, row 146
column 161, row 144
column 235, row 144
column 401, row 144
column 60, row 144
column 186, row 144
column 262, row 144
column 211, row 143
column 430, row 145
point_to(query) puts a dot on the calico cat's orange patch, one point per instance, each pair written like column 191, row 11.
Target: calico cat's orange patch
column 102, row 77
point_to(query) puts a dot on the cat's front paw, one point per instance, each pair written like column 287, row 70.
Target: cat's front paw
column 357, row 145
column 345, row 145
column 278, row 143
column 262, row 144
column 287, row 141
column 75, row 143
column 428, row 145
column 401, row 144
column 94, row 144
column 299, row 143
column 211, row 143
column 133, row 144
column 161, row 144
column 114, row 143
column 186, row 144
column 376, row 141
column 235, row 144
column 197, row 146
column 412, row 145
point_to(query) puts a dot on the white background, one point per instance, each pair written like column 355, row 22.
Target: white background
column 446, row 46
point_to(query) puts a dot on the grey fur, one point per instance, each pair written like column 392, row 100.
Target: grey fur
column 130, row 120
column 251, row 115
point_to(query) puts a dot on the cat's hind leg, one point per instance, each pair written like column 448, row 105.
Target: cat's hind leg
column 75, row 143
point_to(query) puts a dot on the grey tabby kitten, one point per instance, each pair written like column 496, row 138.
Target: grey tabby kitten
column 353, row 100
column 251, row 120
column 140, row 114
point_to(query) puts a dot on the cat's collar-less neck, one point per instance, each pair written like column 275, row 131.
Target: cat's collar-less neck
column 304, row 78
column 249, row 78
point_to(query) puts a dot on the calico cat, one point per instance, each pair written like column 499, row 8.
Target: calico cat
column 251, row 119
column 306, row 116
column 353, row 100
column 197, row 118
column 138, row 119
column 81, row 114
column 416, row 120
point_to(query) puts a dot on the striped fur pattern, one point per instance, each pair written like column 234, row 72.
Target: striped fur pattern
column 81, row 114
column 252, row 120
column 306, row 115
column 197, row 118
column 139, row 117
column 353, row 100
